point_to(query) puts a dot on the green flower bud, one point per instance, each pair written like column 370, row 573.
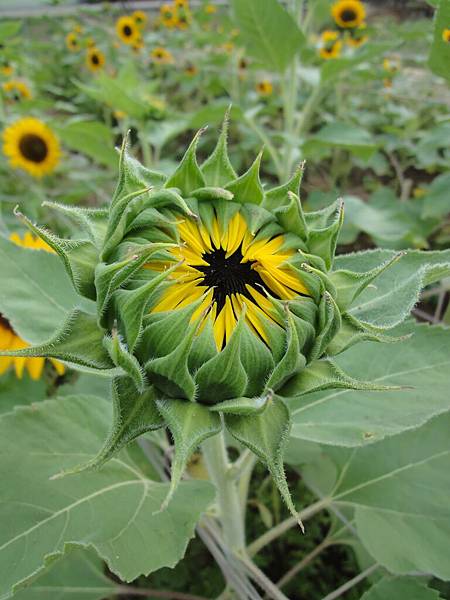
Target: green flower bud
column 216, row 302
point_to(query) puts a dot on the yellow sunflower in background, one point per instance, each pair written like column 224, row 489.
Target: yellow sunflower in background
column 253, row 266
column 183, row 20
column 168, row 15
column 191, row 70
column 72, row 42
column 95, row 59
column 31, row 145
column 181, row 3
column 446, row 35
column 264, row 87
column 161, row 56
column 391, row 65
column 348, row 13
column 138, row 45
column 6, row 69
column 127, row 30
column 210, row 9
column 357, row 36
column 16, row 90
column 78, row 28
column 9, row 340
column 331, row 45
column 140, row 18
column 30, row 241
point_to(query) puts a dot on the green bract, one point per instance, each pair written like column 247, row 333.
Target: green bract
column 191, row 320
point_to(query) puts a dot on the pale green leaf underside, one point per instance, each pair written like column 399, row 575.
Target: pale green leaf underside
column 40, row 516
column 354, row 418
column 400, row 588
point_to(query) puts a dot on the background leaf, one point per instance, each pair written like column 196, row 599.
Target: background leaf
column 350, row 137
column 41, row 515
column 268, row 31
column 92, row 138
column 439, row 59
column 400, row 587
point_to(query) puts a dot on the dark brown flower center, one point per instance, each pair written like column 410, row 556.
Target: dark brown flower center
column 33, row 147
column 127, row 31
column 348, row 15
column 95, row 59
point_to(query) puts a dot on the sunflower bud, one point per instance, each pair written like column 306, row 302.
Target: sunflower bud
column 216, row 302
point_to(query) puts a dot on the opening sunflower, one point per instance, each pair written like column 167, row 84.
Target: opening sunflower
column 264, row 87
column 162, row 56
column 446, row 35
column 348, row 13
column 72, row 42
column 168, row 15
column 31, row 145
column 16, row 90
column 228, row 271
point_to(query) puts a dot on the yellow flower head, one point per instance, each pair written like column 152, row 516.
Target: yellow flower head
column 9, row 340
column 6, row 69
column 331, row 45
column 127, row 30
column 95, row 59
column 137, row 46
column 31, row 145
column 119, row 114
column 168, row 15
column 30, row 241
column 72, row 42
column 227, row 47
column 183, row 20
column 181, row 3
column 16, row 90
column 161, row 56
column 210, row 9
column 190, row 70
column 230, row 271
column 140, row 18
column 78, row 28
column 348, row 13
column 391, row 65
column 264, row 87
column 357, row 37
column 446, row 35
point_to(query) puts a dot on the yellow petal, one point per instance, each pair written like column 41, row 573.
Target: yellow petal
column 34, row 367
column 59, row 366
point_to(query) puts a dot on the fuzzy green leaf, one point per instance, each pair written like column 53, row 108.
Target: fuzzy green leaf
column 122, row 358
column 188, row 176
column 190, row 424
column 217, row 168
column 242, row 406
column 247, row 188
column 397, row 588
column 42, row 516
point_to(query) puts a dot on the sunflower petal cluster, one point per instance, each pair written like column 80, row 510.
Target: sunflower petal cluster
column 216, row 304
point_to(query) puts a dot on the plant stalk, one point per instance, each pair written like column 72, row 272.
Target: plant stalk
column 230, row 512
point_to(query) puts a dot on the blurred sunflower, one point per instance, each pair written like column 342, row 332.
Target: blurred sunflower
column 161, row 56
column 95, row 59
column 264, row 88
column 6, row 69
column 72, row 42
column 191, row 70
column 391, row 65
column 31, row 145
column 140, row 18
column 446, row 35
column 357, row 36
column 78, row 28
column 181, row 3
column 9, row 340
column 348, row 13
column 168, row 15
column 210, row 9
column 183, row 20
column 127, row 30
column 16, row 90
column 30, row 241
column 331, row 45
column 138, row 45
column 227, row 47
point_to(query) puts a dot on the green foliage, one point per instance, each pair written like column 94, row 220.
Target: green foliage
column 440, row 51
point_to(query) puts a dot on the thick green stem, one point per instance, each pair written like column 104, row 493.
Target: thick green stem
column 230, row 511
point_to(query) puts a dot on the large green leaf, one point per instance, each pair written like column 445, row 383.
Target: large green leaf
column 394, row 293
column 92, row 138
column 400, row 588
column 268, row 31
column 9, row 29
column 38, row 296
column 113, row 509
column 79, row 574
column 332, row 69
column 350, row 137
column 440, row 51
column 16, row 392
column 354, row 418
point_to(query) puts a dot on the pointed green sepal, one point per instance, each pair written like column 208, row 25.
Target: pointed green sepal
column 349, row 284
column 328, row 326
column 243, row 406
column 247, row 188
column 217, row 169
column 266, row 435
column 207, row 194
column 293, row 360
column 79, row 257
column 190, row 424
column 292, row 218
column 79, row 342
column 188, row 176
column 322, row 242
column 223, row 377
column 123, row 359
column 93, row 221
column 324, row 374
column 134, row 413
column 278, row 197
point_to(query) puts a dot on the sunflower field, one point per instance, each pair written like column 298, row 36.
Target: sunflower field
column 225, row 300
